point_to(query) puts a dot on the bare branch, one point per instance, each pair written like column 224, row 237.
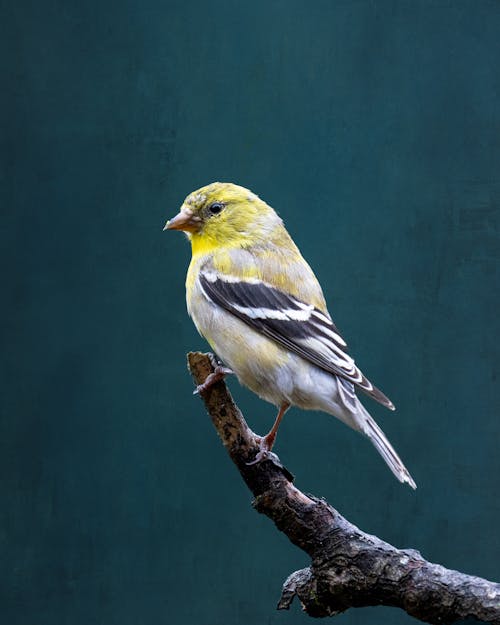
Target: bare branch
column 348, row 567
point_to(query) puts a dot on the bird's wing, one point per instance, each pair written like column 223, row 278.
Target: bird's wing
column 295, row 325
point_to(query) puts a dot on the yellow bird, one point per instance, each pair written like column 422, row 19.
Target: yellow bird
column 255, row 299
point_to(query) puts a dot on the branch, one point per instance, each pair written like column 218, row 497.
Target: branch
column 348, row 567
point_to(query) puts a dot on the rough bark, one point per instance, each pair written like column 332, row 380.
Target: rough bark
column 348, row 567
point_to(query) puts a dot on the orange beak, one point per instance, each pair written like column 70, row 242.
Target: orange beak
column 184, row 220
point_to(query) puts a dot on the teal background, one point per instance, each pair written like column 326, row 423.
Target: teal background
column 373, row 128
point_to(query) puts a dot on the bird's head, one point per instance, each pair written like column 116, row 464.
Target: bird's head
column 224, row 214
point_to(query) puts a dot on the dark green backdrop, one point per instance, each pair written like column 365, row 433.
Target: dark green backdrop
column 373, row 127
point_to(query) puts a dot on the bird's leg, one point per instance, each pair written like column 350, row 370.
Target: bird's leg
column 266, row 443
column 219, row 373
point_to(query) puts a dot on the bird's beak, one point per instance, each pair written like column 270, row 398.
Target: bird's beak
column 184, row 220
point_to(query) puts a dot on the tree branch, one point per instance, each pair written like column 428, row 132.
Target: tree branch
column 348, row 567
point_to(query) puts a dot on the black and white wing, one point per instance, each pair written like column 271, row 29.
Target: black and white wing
column 298, row 326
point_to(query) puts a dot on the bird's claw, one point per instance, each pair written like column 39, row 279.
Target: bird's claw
column 265, row 444
column 219, row 373
column 265, row 453
column 262, row 454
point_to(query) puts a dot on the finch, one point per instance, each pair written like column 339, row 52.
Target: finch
column 259, row 305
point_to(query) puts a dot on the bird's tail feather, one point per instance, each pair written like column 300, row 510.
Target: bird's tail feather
column 368, row 426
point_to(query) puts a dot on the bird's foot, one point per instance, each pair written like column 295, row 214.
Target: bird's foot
column 265, row 446
column 219, row 373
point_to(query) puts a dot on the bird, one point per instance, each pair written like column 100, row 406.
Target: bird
column 255, row 299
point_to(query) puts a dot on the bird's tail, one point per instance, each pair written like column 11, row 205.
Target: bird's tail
column 367, row 425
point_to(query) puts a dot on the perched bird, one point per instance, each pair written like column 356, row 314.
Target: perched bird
column 255, row 299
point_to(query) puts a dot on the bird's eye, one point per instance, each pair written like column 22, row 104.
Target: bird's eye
column 215, row 208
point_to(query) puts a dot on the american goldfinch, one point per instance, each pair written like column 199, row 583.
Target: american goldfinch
column 255, row 299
